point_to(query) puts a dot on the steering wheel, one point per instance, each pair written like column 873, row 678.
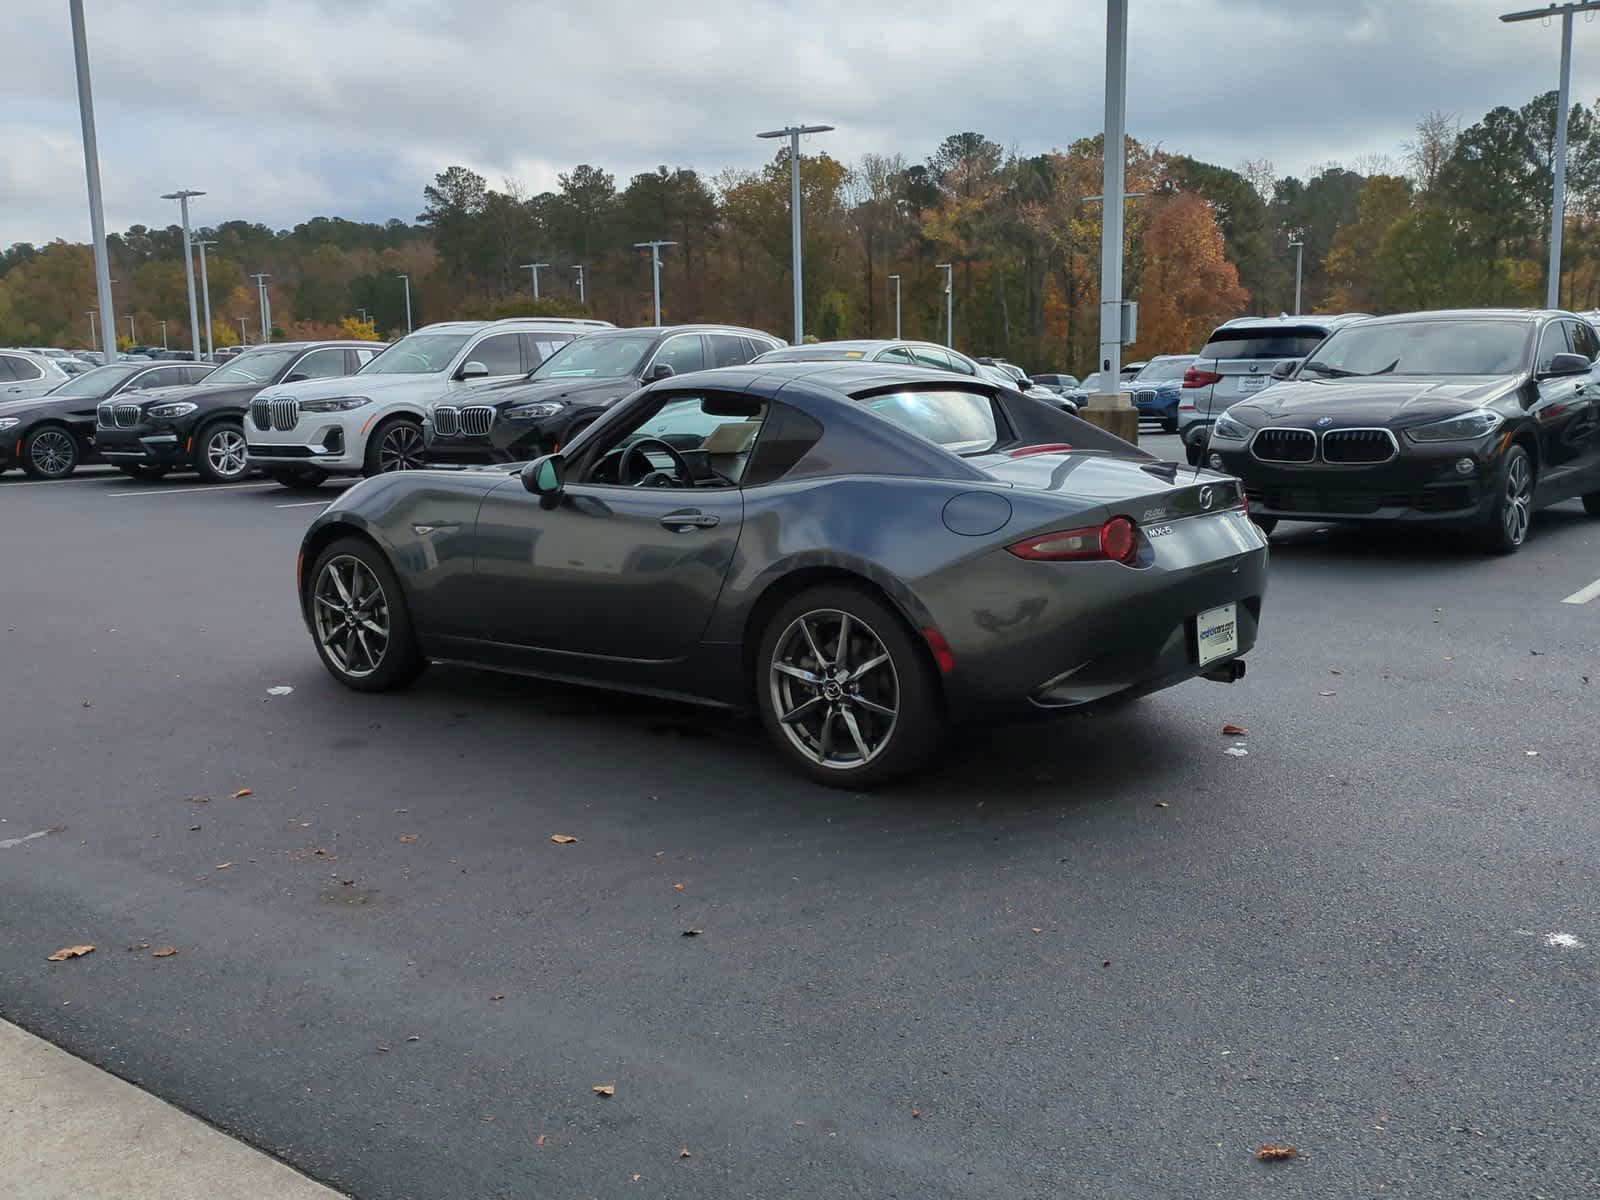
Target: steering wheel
column 652, row 476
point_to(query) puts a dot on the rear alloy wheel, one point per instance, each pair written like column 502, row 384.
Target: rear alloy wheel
column 359, row 619
column 221, row 456
column 395, row 446
column 141, row 472
column 1508, row 523
column 297, row 479
column 844, row 692
column 49, row 453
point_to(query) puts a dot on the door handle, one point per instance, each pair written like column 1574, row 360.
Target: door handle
column 682, row 522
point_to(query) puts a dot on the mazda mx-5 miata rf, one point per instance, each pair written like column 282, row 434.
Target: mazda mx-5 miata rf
column 865, row 554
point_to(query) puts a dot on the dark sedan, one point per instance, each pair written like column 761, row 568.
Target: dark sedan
column 1474, row 419
column 202, row 428
column 869, row 556
column 518, row 419
column 51, row 435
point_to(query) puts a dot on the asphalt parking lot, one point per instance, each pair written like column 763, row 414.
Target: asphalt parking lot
column 1102, row 957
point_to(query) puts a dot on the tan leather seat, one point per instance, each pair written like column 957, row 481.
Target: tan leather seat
column 728, row 446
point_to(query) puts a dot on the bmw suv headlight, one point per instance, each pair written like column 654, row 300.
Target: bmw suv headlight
column 1465, row 428
column 165, row 412
column 334, row 404
column 1229, row 430
column 533, row 412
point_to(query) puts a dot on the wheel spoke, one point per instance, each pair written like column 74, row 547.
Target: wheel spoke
column 872, row 706
column 798, row 713
column 338, row 584
column 855, row 733
column 799, row 673
column 816, row 651
column 372, row 626
column 825, row 745
column 323, row 600
column 843, row 645
column 870, row 665
column 360, row 636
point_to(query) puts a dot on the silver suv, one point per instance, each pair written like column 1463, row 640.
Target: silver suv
column 25, row 374
column 1237, row 361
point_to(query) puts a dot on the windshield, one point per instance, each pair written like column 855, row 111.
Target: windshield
column 1164, row 369
column 418, row 354
column 1276, row 342
column 961, row 422
column 259, row 366
column 1424, row 348
column 98, row 382
column 596, row 358
column 1091, row 383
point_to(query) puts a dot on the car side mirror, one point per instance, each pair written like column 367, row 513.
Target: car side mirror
column 297, row 377
column 472, row 370
column 659, row 372
column 1285, row 369
column 1569, row 364
column 545, row 477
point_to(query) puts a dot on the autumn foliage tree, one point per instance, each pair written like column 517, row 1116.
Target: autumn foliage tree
column 1186, row 285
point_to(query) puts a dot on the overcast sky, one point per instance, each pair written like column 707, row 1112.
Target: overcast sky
column 286, row 109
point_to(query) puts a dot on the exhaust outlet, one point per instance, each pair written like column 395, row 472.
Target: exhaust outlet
column 1229, row 672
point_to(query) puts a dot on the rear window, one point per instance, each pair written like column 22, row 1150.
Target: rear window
column 1279, row 342
column 961, row 422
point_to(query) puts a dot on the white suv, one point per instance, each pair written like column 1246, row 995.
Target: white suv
column 25, row 374
column 371, row 422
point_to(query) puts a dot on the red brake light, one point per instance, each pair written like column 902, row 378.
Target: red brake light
column 1194, row 377
column 1117, row 540
column 1046, row 448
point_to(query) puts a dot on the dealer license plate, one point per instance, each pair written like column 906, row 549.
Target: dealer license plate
column 1217, row 633
column 1252, row 383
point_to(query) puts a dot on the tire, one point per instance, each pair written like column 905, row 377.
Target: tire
column 1507, row 526
column 1591, row 504
column 1169, row 425
column 143, row 473
column 219, row 452
column 395, row 445
column 1194, row 446
column 905, row 685
column 297, row 479
column 50, row 452
column 1265, row 524
column 369, row 646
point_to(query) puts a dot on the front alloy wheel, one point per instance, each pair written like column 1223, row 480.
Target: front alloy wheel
column 223, row 455
column 400, row 448
column 49, row 453
column 835, row 689
column 1513, row 511
column 359, row 619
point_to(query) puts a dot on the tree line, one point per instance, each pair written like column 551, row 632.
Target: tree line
column 1461, row 219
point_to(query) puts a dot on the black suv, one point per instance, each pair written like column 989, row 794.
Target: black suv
column 537, row 414
column 202, row 428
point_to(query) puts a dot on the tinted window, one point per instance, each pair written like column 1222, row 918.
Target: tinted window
column 201, row 371
column 98, row 382
column 1284, row 342
column 897, row 354
column 928, row 356
column 755, row 346
column 962, row 422
column 502, row 354
column 540, row 346
column 22, row 369
column 321, row 364
column 1163, row 369
column 258, row 366
column 682, row 353
column 964, row 366
column 7, row 375
column 785, row 438
column 1585, row 341
column 363, row 357
column 728, row 350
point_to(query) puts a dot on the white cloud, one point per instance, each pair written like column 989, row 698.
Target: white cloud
column 286, row 109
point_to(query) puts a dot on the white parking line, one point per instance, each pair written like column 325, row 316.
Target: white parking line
column 199, row 490
column 305, row 504
column 1584, row 595
column 108, row 477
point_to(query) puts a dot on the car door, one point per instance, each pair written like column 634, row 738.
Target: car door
column 501, row 355
column 1557, row 408
column 683, row 352
column 608, row 571
column 331, row 362
column 1584, row 433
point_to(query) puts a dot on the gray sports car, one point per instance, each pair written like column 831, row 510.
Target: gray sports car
column 863, row 553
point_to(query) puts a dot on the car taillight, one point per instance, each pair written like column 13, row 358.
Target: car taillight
column 1116, row 540
column 1194, row 377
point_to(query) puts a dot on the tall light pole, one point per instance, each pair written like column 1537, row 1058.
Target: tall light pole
column 579, row 270
column 949, row 305
column 1299, row 249
column 92, row 337
column 535, row 268
column 205, row 296
column 133, row 338
column 655, row 269
column 1114, row 171
column 91, row 170
column 182, row 197
column 1558, row 202
column 163, row 335
column 406, row 279
column 261, row 297
column 793, row 133
column 244, row 338
column 896, row 279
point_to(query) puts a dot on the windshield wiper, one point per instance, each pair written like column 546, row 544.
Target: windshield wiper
column 1323, row 368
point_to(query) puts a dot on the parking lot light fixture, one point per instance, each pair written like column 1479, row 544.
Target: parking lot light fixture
column 261, row 297
column 91, row 167
column 793, row 133
column 579, row 270
column 406, row 279
column 1299, row 249
column 244, row 338
column 205, row 299
column 949, row 305
column 1558, row 203
column 655, row 269
column 896, row 279
column 535, row 268
column 182, row 197
column 163, row 335
column 133, row 337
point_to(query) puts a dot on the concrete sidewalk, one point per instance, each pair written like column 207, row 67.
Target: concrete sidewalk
column 69, row 1131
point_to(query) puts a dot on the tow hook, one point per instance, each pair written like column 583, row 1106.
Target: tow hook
column 1229, row 672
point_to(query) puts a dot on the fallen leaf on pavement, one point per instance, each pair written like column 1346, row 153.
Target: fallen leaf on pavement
column 90, row 703
column 1531, row 753
column 635, row 1177
column 916, row 1114
column 1161, row 804
column 659, row 853
column 498, row 996
column 222, row 866
column 539, row 1141
column 1232, row 730
column 683, row 1152
column 408, row 837
column 1107, row 963
column 413, row 1038
column 283, row 689
column 139, row 946
column 1038, row 931
column 1237, row 752
column 194, row 829
column 1333, row 672
column 562, row 839
column 242, row 793
column 693, row 932
column 1327, row 693
column 1270, row 1153
column 164, row 952
column 677, row 887
column 67, row 952
column 198, row 799
column 604, row 1089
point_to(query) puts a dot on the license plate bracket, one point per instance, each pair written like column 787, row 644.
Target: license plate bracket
column 1216, row 633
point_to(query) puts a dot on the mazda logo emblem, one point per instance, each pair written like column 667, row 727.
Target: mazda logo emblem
column 1206, row 497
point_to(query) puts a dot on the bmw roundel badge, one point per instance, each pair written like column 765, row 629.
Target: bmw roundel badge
column 1324, row 421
